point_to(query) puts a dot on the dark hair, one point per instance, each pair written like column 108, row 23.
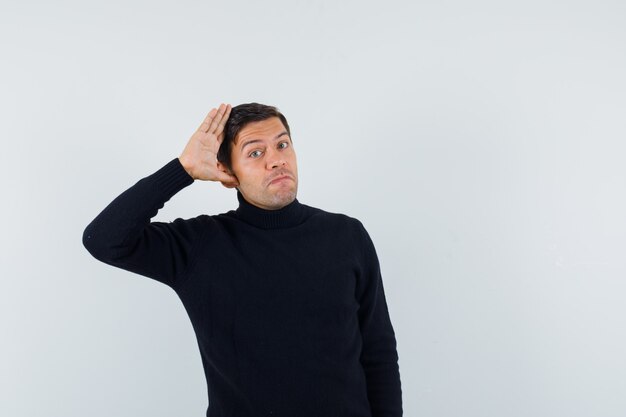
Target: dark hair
column 239, row 117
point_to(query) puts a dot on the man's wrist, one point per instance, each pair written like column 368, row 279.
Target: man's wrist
column 185, row 166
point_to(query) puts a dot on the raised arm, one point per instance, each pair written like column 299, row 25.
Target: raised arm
column 123, row 235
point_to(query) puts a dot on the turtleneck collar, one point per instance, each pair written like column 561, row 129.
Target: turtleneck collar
column 291, row 215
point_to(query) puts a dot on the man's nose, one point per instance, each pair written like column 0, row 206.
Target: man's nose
column 275, row 160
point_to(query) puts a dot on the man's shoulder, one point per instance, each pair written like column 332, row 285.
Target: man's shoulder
column 341, row 229
column 334, row 218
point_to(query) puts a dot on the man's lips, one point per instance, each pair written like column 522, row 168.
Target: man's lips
column 280, row 178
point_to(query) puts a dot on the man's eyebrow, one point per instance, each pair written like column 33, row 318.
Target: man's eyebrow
column 251, row 141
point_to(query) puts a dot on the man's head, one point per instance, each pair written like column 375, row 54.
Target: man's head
column 257, row 149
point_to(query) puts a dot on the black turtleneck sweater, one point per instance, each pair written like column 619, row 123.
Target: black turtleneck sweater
column 287, row 305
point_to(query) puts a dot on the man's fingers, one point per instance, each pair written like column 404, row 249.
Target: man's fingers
column 220, row 127
column 217, row 119
column 220, row 138
column 204, row 127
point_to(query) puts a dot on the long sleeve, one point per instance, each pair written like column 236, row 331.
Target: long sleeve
column 123, row 236
column 379, row 356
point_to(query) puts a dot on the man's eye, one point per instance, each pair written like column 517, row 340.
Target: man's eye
column 255, row 154
column 283, row 145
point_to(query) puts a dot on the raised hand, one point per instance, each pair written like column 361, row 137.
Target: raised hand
column 199, row 158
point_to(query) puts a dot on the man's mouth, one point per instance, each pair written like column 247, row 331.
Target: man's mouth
column 280, row 177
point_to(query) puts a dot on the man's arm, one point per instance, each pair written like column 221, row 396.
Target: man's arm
column 122, row 234
column 379, row 356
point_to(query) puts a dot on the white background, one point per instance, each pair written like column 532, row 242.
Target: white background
column 481, row 144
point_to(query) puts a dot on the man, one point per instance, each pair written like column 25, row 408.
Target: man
column 286, row 300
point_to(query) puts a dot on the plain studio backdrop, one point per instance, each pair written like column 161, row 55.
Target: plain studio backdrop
column 482, row 144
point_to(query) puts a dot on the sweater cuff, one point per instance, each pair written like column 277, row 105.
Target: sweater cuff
column 172, row 178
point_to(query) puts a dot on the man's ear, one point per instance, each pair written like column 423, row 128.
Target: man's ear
column 222, row 167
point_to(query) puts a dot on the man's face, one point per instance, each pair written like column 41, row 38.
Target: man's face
column 264, row 162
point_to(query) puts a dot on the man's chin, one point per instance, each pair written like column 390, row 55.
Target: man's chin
column 282, row 199
column 272, row 201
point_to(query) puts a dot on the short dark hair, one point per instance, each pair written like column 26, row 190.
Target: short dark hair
column 239, row 117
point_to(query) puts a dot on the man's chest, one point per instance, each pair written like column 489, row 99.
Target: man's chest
column 260, row 286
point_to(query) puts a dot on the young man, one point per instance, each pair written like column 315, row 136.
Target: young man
column 286, row 300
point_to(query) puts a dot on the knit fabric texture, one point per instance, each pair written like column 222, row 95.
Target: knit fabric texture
column 287, row 305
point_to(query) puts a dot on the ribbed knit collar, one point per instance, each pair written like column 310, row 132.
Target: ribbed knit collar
column 291, row 215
